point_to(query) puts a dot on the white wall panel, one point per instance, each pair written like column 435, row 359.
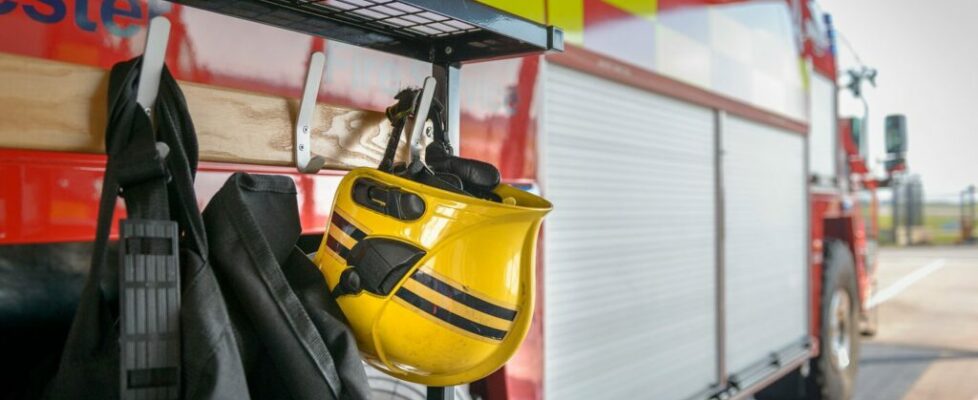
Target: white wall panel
column 766, row 223
column 822, row 150
column 630, row 246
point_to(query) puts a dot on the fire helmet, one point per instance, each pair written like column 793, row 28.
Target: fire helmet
column 432, row 265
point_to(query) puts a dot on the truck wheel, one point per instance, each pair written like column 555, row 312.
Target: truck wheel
column 870, row 321
column 833, row 375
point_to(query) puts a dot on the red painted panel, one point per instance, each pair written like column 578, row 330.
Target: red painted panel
column 838, row 216
column 674, row 4
column 53, row 197
column 502, row 129
column 823, row 206
column 818, row 43
column 856, row 163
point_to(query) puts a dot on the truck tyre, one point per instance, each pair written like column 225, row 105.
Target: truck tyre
column 870, row 320
column 833, row 374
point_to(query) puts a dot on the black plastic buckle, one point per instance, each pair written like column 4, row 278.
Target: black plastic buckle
column 388, row 200
column 149, row 304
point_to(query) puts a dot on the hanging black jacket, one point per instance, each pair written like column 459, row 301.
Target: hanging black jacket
column 290, row 330
column 262, row 327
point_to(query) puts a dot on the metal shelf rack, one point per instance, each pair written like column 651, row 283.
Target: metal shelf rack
column 436, row 31
column 445, row 33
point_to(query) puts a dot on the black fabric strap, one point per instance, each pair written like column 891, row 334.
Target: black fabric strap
column 154, row 175
column 141, row 164
column 398, row 115
column 441, row 168
column 135, row 169
column 176, row 129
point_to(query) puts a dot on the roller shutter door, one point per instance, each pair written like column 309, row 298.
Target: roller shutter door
column 765, row 241
column 630, row 246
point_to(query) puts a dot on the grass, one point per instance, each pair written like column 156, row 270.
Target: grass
column 941, row 223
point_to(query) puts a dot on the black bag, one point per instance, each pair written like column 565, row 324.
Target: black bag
column 223, row 342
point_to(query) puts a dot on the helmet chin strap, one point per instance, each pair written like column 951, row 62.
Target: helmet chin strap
column 406, row 112
column 439, row 168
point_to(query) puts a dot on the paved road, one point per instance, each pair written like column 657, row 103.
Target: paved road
column 927, row 345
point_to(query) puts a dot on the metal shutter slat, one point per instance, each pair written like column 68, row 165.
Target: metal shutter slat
column 630, row 263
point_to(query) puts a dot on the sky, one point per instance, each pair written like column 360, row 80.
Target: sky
column 926, row 55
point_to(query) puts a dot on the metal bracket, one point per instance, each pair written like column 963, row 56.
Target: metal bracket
column 422, row 107
column 440, row 393
column 304, row 161
column 154, row 55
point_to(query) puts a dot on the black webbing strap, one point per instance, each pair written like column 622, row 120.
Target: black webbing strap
column 398, row 115
column 153, row 172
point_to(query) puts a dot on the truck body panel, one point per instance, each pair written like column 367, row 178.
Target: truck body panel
column 714, row 93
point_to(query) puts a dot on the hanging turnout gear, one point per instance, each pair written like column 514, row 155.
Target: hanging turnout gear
column 432, row 263
column 154, row 174
column 293, row 340
column 231, row 312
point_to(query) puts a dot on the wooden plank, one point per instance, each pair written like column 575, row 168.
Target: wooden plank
column 49, row 105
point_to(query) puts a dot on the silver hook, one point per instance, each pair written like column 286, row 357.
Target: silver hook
column 304, row 161
column 421, row 109
column 154, row 55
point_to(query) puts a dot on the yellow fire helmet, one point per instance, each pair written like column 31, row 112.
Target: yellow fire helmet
column 436, row 283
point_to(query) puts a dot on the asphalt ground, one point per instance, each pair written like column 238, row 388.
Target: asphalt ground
column 926, row 347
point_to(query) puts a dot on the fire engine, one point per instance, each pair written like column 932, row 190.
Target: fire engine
column 707, row 239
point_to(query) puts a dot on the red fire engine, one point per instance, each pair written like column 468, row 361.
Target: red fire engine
column 707, row 239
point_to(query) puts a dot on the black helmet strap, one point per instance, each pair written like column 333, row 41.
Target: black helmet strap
column 399, row 113
column 441, row 168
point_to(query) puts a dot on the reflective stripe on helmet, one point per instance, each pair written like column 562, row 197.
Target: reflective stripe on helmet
column 463, row 297
column 337, row 248
column 342, row 235
column 338, row 235
column 447, row 316
column 442, row 301
column 457, row 307
column 347, row 227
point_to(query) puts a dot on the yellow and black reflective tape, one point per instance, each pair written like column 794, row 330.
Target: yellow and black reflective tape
column 347, row 227
column 470, row 313
column 462, row 297
column 335, row 243
column 450, row 317
column 337, row 247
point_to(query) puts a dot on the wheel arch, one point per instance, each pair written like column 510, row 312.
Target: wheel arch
column 843, row 229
